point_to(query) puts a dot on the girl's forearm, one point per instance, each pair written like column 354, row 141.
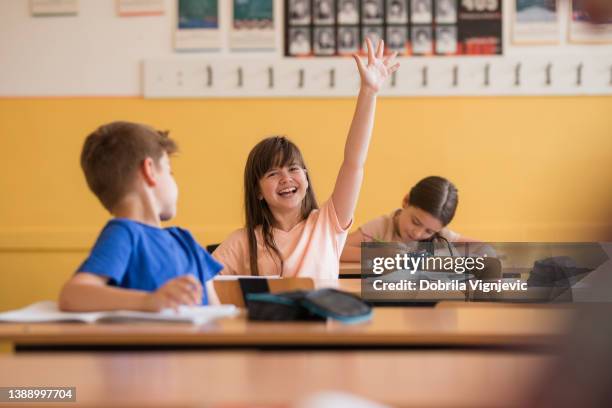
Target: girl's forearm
column 350, row 176
column 360, row 132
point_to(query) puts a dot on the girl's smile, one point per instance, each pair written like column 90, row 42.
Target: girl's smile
column 284, row 188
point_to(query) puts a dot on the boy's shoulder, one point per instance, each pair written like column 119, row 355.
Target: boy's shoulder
column 138, row 230
column 130, row 226
column 136, row 235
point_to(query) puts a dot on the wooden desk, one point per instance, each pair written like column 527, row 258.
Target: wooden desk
column 390, row 327
column 350, row 270
column 226, row 379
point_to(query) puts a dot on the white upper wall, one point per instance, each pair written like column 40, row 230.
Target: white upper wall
column 99, row 53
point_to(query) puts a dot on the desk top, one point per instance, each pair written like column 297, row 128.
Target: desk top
column 223, row 379
column 349, row 269
column 477, row 325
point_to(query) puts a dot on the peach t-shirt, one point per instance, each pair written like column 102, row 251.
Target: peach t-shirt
column 311, row 249
column 382, row 229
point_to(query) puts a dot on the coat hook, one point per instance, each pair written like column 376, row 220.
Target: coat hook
column 517, row 74
column 549, row 74
column 424, row 76
column 394, row 79
column 270, row 77
column 579, row 74
column 301, row 78
column 240, row 81
column 455, row 76
column 332, row 78
column 209, row 76
column 487, row 75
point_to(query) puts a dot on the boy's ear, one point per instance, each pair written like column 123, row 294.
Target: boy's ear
column 405, row 201
column 147, row 169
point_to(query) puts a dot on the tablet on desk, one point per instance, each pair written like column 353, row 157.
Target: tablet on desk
column 233, row 289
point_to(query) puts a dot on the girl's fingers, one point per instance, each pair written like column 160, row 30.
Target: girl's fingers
column 359, row 62
column 394, row 68
column 370, row 51
column 389, row 58
column 380, row 49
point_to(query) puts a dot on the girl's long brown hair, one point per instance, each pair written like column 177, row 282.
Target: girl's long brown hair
column 276, row 151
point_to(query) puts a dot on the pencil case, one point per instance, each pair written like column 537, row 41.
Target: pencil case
column 315, row 305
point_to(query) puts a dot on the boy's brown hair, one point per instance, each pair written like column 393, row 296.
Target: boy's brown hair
column 112, row 154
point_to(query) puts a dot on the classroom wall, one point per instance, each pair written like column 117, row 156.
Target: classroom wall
column 526, row 168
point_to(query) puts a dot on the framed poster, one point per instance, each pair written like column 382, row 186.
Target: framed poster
column 372, row 11
column 446, row 12
column 480, row 27
column 298, row 41
column 324, row 41
column 582, row 28
column 397, row 11
column 197, row 25
column 535, row 22
column 446, row 40
column 348, row 12
column 410, row 27
column 348, row 40
column 252, row 25
column 421, row 40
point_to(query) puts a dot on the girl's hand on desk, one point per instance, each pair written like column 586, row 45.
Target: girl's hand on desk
column 378, row 69
column 184, row 290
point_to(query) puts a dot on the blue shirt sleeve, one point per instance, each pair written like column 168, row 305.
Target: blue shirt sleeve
column 211, row 266
column 110, row 255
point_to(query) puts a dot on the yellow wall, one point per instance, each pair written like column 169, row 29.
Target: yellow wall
column 526, row 168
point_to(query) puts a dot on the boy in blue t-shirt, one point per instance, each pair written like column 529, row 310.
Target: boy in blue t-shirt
column 135, row 264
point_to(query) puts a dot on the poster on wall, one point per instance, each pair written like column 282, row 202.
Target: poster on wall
column 581, row 28
column 410, row 27
column 446, row 32
column 132, row 8
column 252, row 25
column 42, row 8
column 480, row 27
column 298, row 28
column 535, row 22
column 197, row 25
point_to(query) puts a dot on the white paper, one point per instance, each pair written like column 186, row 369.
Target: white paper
column 47, row 311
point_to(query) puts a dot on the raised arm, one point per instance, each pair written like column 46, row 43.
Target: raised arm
column 350, row 176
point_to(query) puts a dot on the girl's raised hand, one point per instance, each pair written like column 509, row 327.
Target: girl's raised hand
column 378, row 69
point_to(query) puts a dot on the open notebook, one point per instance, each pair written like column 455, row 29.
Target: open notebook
column 47, row 311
